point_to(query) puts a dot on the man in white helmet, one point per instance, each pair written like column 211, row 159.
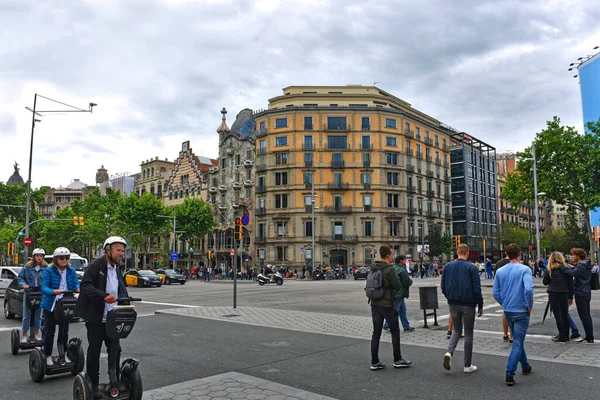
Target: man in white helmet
column 101, row 286
column 31, row 276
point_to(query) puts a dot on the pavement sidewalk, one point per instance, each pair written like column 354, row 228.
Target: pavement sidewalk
column 360, row 327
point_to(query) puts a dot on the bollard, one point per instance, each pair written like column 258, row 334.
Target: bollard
column 428, row 297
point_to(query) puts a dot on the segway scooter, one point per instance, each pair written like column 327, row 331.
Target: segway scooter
column 126, row 381
column 64, row 310
column 34, row 298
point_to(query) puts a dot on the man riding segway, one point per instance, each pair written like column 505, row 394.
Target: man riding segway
column 102, row 285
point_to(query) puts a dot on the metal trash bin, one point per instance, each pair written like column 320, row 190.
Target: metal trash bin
column 428, row 299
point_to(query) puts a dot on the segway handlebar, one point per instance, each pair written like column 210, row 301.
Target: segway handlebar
column 68, row 292
column 120, row 299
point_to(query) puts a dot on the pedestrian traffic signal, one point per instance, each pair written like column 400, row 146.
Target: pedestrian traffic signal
column 11, row 248
column 238, row 229
column 454, row 242
column 78, row 220
column 16, row 259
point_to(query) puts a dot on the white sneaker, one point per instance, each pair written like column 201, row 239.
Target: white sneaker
column 37, row 338
column 470, row 369
column 24, row 340
column 447, row 361
column 49, row 361
column 67, row 361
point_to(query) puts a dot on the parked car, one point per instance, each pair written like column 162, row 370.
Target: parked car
column 142, row 278
column 7, row 274
column 361, row 272
column 169, row 276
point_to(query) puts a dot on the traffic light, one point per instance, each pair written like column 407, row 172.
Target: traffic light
column 11, row 248
column 458, row 241
column 454, row 242
column 238, row 229
column 16, row 259
column 81, row 222
column 78, row 220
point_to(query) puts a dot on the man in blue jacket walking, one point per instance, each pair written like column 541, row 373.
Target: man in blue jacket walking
column 513, row 290
column 461, row 285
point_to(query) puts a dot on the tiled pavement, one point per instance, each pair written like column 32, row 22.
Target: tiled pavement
column 234, row 385
column 538, row 348
column 231, row 385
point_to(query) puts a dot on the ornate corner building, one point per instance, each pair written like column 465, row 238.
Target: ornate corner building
column 380, row 170
column 231, row 188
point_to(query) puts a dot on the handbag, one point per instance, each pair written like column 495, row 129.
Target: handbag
column 595, row 281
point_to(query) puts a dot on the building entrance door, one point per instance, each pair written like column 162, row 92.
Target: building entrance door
column 339, row 257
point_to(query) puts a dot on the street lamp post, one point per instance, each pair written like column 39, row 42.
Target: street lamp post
column 34, row 113
column 537, row 211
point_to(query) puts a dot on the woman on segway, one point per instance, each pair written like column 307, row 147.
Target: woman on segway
column 31, row 276
column 58, row 277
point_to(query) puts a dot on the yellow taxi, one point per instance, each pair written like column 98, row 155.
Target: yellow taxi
column 142, row 278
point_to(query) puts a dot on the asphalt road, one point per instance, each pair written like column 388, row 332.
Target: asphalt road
column 175, row 349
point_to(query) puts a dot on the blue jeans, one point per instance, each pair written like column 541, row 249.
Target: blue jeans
column 37, row 321
column 518, row 323
column 400, row 306
column 573, row 326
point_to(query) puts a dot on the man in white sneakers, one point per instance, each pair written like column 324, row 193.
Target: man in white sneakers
column 461, row 285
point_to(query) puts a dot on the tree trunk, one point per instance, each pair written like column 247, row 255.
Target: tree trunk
column 588, row 226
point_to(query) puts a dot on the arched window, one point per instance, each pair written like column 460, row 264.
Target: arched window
column 175, row 195
column 170, row 196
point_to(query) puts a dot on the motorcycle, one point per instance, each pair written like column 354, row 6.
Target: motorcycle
column 318, row 275
column 263, row 279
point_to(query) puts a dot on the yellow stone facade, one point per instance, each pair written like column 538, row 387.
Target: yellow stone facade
column 380, row 170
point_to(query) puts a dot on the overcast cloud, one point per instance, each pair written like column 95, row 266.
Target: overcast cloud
column 160, row 70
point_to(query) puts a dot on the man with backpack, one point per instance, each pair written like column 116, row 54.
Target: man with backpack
column 380, row 288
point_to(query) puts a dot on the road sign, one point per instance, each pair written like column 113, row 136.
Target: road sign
column 375, row 251
column 27, row 241
column 301, row 249
column 245, row 219
column 231, row 252
column 247, row 257
column 174, row 255
column 262, row 254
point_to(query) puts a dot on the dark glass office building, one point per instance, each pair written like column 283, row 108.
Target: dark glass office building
column 474, row 195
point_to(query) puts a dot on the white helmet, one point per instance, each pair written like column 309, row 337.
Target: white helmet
column 61, row 251
column 38, row 251
column 114, row 239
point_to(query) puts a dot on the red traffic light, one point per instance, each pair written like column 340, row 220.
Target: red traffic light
column 238, row 221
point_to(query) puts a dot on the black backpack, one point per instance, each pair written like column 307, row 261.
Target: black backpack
column 374, row 287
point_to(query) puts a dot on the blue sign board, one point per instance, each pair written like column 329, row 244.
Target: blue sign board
column 174, row 255
column 245, row 219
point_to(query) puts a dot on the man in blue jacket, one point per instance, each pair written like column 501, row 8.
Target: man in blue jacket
column 461, row 285
column 58, row 277
column 513, row 290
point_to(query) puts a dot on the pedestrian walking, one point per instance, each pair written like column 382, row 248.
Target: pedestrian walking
column 507, row 336
column 582, row 289
column 560, row 295
column 461, row 285
column 513, row 290
column 384, row 282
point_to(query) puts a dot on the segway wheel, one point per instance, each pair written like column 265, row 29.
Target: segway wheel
column 37, row 365
column 261, row 283
column 79, row 364
column 15, row 341
column 182, row 283
column 82, row 388
column 133, row 383
column 279, row 282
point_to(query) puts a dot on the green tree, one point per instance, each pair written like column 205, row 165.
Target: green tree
column 567, row 170
column 137, row 219
column 574, row 235
column 510, row 233
column 553, row 239
column 195, row 218
column 447, row 247
column 435, row 241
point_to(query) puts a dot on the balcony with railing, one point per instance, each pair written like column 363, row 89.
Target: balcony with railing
column 261, row 188
column 448, row 216
column 261, row 211
column 308, row 164
column 409, row 133
column 337, row 164
column 430, row 214
column 350, row 239
column 410, row 168
column 447, row 196
column 308, row 185
column 338, row 209
column 366, row 146
column 337, row 127
column 366, row 164
column 260, row 240
column 412, row 211
column 367, row 185
column 419, row 155
column 428, row 141
column 430, row 193
column 261, row 167
column 308, row 146
column 411, row 189
column 367, row 207
column 429, row 173
column 412, row 238
column 262, row 152
column 428, row 158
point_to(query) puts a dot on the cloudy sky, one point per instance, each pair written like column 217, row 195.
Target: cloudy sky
column 160, row 70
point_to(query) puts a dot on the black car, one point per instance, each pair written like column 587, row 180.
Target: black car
column 361, row 272
column 169, row 276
